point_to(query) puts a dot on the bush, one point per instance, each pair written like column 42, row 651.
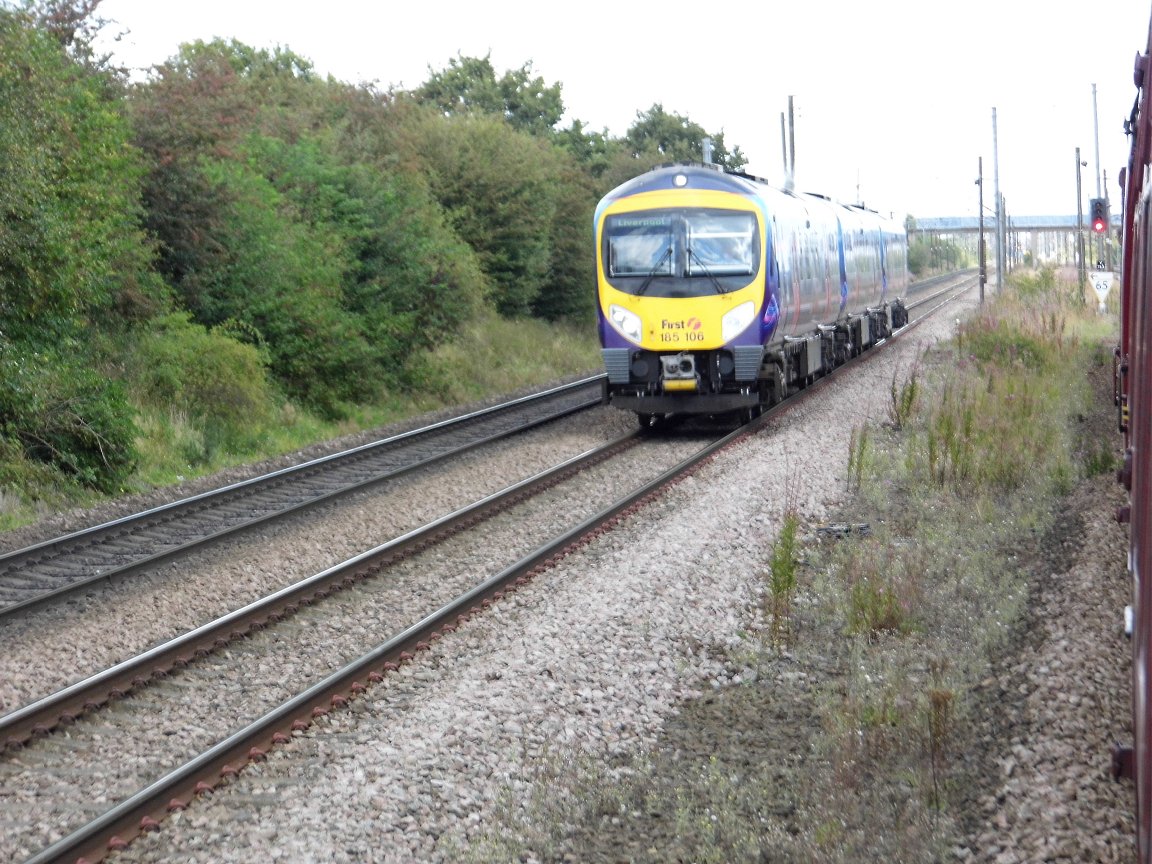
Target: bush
column 216, row 381
column 66, row 415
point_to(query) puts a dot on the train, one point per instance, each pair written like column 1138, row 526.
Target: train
column 1133, row 396
column 721, row 294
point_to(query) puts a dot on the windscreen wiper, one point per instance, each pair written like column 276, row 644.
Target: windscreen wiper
column 655, row 270
column 715, row 282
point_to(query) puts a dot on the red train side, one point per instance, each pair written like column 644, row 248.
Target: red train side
column 1134, row 399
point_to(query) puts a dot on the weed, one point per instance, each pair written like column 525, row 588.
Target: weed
column 874, row 607
column 1100, row 459
column 903, row 399
column 782, row 568
column 857, row 452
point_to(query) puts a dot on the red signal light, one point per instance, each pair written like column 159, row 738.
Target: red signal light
column 1099, row 210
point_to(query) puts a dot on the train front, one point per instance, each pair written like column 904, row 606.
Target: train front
column 681, row 284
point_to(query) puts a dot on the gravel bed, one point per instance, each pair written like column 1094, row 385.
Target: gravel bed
column 47, row 787
column 57, row 645
column 589, row 662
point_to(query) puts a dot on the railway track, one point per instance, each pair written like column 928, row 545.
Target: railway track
column 51, row 570
column 348, row 606
column 167, row 668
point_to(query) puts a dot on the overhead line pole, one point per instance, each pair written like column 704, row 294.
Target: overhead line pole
column 999, row 207
column 980, row 210
column 1096, row 134
column 1080, row 225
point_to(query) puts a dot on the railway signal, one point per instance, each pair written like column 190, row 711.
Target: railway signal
column 1099, row 209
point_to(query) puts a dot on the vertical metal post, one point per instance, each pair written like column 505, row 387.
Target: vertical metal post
column 999, row 207
column 1096, row 135
column 1080, row 226
column 791, row 140
column 1107, row 227
column 783, row 144
column 1099, row 190
column 980, row 210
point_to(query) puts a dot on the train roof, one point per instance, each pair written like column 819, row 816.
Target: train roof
column 699, row 175
column 695, row 174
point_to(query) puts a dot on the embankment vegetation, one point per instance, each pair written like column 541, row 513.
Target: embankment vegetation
column 233, row 255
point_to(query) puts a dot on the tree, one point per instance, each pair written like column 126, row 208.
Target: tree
column 74, row 25
column 469, row 86
column 677, row 139
column 594, row 151
column 277, row 208
column 71, row 244
column 498, row 188
column 73, row 258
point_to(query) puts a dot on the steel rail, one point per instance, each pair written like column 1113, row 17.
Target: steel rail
column 197, row 503
column 66, row 705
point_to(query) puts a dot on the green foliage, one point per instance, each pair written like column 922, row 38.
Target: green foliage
column 279, row 211
column 208, row 376
column 880, row 593
column 996, row 424
column 497, row 355
column 783, row 563
column 903, row 398
column 782, row 569
column 593, row 151
column 858, row 452
column 874, row 607
column 405, row 276
column 677, row 139
column 567, row 292
column 72, row 258
column 1033, row 285
column 993, row 433
column 469, row 86
column 501, row 192
column 65, row 414
column 927, row 255
column 997, row 341
column 71, row 248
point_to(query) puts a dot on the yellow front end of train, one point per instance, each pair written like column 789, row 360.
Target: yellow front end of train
column 681, row 276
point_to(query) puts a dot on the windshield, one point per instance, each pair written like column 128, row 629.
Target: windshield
column 639, row 245
column 681, row 253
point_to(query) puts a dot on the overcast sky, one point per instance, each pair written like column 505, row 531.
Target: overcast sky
column 894, row 99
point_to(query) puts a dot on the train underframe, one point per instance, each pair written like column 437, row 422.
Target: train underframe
column 745, row 380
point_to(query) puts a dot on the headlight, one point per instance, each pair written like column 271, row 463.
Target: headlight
column 628, row 323
column 736, row 320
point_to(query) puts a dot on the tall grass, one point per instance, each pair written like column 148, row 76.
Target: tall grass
column 998, row 419
column 970, row 465
column 496, row 355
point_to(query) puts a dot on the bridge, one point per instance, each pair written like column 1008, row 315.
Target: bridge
column 1028, row 239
